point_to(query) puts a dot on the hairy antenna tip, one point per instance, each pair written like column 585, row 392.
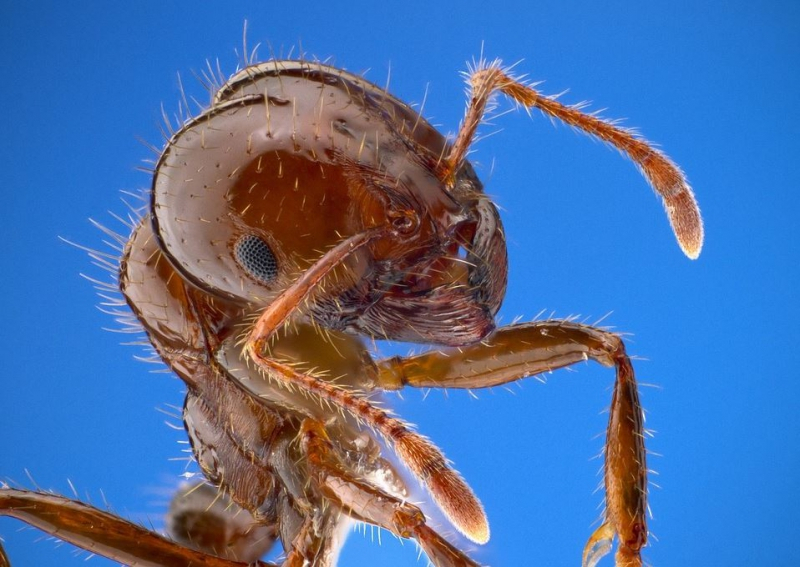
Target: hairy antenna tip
column 460, row 505
column 684, row 216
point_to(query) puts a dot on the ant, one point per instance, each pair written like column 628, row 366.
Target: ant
column 305, row 211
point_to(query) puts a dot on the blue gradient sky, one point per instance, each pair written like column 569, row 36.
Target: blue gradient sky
column 716, row 87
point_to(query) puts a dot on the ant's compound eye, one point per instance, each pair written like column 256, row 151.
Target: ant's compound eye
column 256, row 257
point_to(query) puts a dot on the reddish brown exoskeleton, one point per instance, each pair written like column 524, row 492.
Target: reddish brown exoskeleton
column 305, row 210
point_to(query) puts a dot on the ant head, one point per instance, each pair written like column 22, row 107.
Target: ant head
column 291, row 158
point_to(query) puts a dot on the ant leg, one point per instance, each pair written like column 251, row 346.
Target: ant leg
column 101, row 533
column 527, row 349
column 423, row 458
column 365, row 502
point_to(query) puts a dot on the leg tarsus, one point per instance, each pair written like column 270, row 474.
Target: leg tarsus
column 599, row 545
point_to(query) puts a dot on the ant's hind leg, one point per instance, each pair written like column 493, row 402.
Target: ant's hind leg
column 527, row 349
column 100, row 532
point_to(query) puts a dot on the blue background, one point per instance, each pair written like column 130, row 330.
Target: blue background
column 715, row 86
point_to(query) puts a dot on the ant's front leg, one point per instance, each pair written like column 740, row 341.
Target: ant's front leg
column 425, row 460
column 365, row 502
column 100, row 532
column 527, row 349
